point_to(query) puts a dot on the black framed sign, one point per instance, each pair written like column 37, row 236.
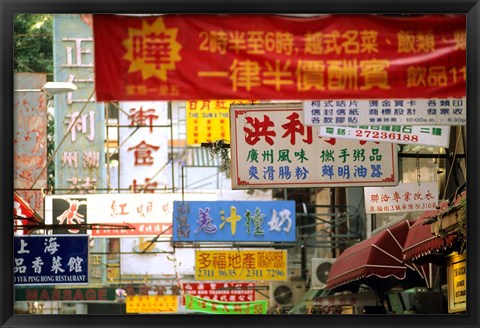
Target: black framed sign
column 8, row 8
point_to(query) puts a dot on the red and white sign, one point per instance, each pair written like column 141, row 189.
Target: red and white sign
column 225, row 292
column 23, row 215
column 406, row 197
column 271, row 148
column 149, row 214
column 179, row 57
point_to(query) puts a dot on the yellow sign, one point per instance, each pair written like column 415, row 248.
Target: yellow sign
column 254, row 265
column 207, row 120
column 457, row 284
column 152, row 303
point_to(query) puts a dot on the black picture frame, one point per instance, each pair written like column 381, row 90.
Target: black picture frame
column 10, row 7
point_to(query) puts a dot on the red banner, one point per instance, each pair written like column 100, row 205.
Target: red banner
column 182, row 57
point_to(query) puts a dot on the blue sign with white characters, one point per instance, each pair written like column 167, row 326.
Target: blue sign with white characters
column 50, row 259
column 263, row 221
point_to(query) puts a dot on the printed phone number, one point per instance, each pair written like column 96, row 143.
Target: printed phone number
column 386, row 135
column 247, row 273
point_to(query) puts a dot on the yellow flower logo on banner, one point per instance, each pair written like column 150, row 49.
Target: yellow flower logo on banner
column 153, row 50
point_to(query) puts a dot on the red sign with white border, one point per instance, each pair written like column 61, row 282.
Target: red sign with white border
column 224, row 291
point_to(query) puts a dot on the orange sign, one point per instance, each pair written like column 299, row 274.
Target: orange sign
column 152, row 303
column 207, row 120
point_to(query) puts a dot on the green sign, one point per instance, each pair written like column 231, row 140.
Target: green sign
column 216, row 307
column 65, row 294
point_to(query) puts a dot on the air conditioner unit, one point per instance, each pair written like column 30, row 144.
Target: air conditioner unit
column 320, row 269
column 286, row 293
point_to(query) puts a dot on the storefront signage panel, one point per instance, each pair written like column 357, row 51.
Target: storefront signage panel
column 254, row 265
column 442, row 111
column 230, row 221
column 65, row 294
column 150, row 214
column 152, row 304
column 437, row 136
column 30, row 141
column 207, row 120
column 457, row 283
column 79, row 117
column 223, row 291
column 271, row 148
column 50, row 260
column 406, row 197
column 216, row 307
column 180, row 57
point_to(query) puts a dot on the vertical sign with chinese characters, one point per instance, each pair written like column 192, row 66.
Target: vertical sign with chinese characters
column 251, row 265
column 143, row 138
column 271, row 148
column 79, row 119
column 30, row 139
column 406, row 197
column 50, row 260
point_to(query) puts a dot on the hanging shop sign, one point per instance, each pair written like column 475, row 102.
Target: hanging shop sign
column 457, row 283
column 224, row 291
column 152, row 304
column 65, row 294
column 182, row 57
column 207, row 120
column 50, row 259
column 147, row 214
column 253, row 265
column 437, row 136
column 30, row 141
column 135, row 261
column 441, row 111
column 79, row 118
column 271, row 148
column 406, row 197
column 143, row 135
column 216, row 307
column 230, row 221
column 24, row 215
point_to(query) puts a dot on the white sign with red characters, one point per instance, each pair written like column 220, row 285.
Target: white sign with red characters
column 147, row 214
column 406, row 197
column 224, row 291
column 271, row 148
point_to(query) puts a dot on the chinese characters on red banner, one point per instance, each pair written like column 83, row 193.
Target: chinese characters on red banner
column 275, row 57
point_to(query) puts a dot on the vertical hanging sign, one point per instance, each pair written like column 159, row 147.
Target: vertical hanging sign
column 79, row 119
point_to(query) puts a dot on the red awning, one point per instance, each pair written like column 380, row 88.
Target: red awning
column 421, row 241
column 380, row 255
